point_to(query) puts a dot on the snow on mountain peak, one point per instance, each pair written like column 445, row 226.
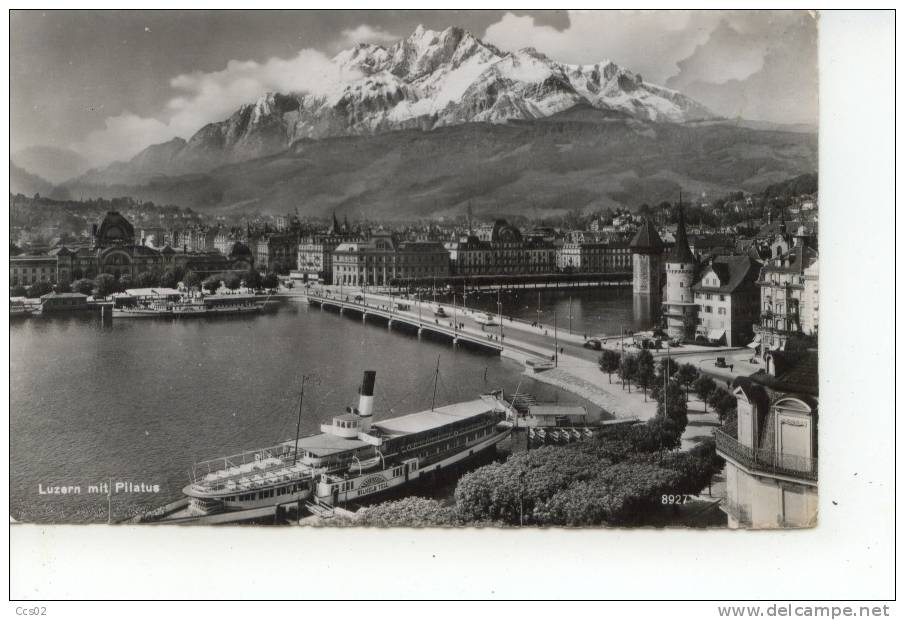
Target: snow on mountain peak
column 431, row 79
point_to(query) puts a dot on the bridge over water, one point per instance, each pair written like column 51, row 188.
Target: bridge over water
column 422, row 319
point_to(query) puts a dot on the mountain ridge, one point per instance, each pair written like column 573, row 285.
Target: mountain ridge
column 427, row 80
column 581, row 158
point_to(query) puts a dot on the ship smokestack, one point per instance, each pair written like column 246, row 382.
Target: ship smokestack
column 366, row 394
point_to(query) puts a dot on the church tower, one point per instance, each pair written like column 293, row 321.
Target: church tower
column 679, row 309
column 647, row 261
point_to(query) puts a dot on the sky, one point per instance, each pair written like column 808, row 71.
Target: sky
column 109, row 83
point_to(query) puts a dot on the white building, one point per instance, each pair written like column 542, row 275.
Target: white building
column 679, row 307
column 771, row 461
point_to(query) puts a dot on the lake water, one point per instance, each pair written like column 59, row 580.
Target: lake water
column 138, row 401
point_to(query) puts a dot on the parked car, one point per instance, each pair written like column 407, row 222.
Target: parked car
column 359, row 298
column 720, row 362
column 592, row 343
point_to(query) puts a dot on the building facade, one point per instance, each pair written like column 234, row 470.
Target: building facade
column 500, row 249
column 114, row 251
column 382, row 261
column 315, row 255
column 728, row 300
column 771, row 454
column 789, row 298
column 276, row 250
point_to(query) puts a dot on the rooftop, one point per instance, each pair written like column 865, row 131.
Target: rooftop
column 732, row 271
column 324, row 444
column 431, row 419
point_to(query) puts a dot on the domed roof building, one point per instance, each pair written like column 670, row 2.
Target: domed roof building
column 114, row 230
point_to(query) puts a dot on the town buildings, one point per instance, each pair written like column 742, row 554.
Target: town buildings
column 381, row 260
column 114, row 250
column 771, row 454
column 315, row 251
column 498, row 249
column 727, row 296
column 789, row 298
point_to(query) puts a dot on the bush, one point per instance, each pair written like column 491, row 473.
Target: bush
column 409, row 512
column 105, row 285
column 620, row 494
column 212, row 284
column 83, row 286
column 232, row 281
column 252, row 278
column 38, row 288
column 169, row 279
column 270, row 281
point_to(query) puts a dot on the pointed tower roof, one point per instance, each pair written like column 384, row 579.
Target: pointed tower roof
column 646, row 239
column 335, row 228
column 680, row 252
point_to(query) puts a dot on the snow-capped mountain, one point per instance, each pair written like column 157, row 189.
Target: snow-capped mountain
column 430, row 79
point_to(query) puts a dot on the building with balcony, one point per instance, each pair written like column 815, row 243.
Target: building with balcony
column 771, row 452
column 789, row 299
column 728, row 298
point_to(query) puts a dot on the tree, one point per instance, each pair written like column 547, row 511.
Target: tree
column 83, row 286
column 722, row 402
column 277, row 267
column 704, row 387
column 147, row 279
column 125, row 281
column 667, row 365
column 17, row 291
column 232, row 281
column 656, row 435
column 270, row 281
column 39, row 288
column 252, row 278
column 672, row 405
column 628, row 368
column 609, row 362
column 211, row 284
column 105, row 285
column 64, row 287
column 168, row 279
column 686, row 376
column 192, row 280
column 644, row 373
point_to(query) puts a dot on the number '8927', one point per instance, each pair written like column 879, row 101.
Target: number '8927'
column 674, row 499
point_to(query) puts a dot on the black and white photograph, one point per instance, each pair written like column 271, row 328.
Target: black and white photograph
column 493, row 269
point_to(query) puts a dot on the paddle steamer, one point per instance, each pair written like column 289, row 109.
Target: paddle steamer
column 354, row 457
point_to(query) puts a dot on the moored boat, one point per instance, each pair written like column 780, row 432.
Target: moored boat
column 354, row 457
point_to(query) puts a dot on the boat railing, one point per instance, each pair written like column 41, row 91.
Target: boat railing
column 284, row 451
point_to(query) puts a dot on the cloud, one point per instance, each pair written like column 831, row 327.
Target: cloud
column 350, row 37
column 760, row 64
column 647, row 42
column 203, row 97
column 767, row 73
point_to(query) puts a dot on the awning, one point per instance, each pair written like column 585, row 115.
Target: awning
column 755, row 343
column 715, row 334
